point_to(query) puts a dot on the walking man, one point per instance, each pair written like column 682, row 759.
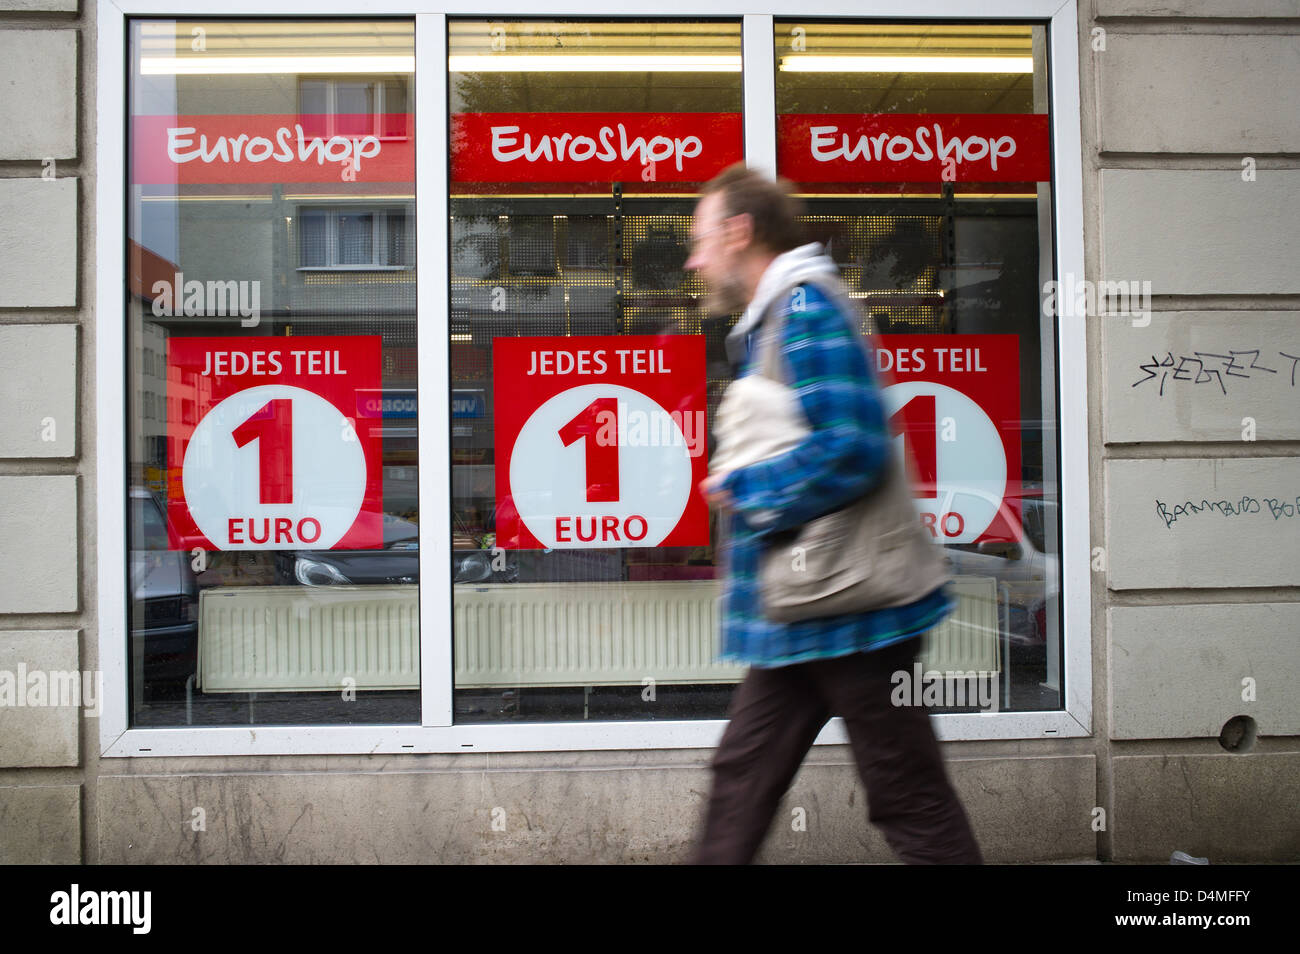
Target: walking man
column 744, row 245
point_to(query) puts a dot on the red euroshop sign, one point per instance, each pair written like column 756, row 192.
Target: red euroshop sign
column 955, row 401
column 601, row 442
column 264, row 450
column 593, row 147
column 932, row 147
column 225, row 149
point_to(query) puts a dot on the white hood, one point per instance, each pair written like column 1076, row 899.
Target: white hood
column 803, row 264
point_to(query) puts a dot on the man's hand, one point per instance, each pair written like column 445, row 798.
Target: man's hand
column 718, row 498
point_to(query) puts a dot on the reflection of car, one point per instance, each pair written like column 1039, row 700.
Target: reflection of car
column 178, row 516
column 484, row 566
column 1028, row 577
column 397, row 562
column 164, row 600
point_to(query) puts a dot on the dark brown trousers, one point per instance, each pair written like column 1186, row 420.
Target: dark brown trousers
column 775, row 715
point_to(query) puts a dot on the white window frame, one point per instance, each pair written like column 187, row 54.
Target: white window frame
column 437, row 733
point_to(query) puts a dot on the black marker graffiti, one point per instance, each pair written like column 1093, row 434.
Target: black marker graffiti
column 1204, row 367
column 1277, row 508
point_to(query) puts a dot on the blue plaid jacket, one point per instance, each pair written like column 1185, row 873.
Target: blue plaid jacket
column 842, row 459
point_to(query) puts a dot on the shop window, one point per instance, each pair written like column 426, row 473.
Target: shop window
column 272, row 512
column 584, row 573
column 922, row 153
column 274, row 533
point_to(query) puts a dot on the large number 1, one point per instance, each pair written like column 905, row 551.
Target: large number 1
column 272, row 427
column 602, row 456
column 921, row 442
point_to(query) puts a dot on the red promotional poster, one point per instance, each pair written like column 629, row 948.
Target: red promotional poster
column 191, row 150
column 266, row 452
column 898, row 147
column 955, row 401
column 600, row 442
column 593, row 147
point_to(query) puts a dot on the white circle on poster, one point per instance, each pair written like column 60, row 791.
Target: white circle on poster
column 223, row 482
column 970, row 461
column 550, row 483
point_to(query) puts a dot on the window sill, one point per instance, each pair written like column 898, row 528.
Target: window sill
column 531, row 737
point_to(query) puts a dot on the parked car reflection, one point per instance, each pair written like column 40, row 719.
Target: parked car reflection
column 164, row 601
column 397, row 562
column 1028, row 576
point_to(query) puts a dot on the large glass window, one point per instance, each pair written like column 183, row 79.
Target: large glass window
column 271, row 341
column 922, row 151
column 582, row 370
column 273, row 516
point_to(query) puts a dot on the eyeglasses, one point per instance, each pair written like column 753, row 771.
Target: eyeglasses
column 693, row 243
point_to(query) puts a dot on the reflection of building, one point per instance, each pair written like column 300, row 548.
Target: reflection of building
column 326, row 256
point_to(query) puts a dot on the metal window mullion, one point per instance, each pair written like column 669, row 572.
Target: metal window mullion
column 1072, row 405
column 331, row 105
column 110, row 491
column 433, row 375
column 759, row 79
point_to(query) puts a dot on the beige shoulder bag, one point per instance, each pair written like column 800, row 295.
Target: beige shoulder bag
column 872, row 554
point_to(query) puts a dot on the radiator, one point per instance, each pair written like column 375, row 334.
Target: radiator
column 298, row 638
column 967, row 641
column 566, row 634
column 292, row 638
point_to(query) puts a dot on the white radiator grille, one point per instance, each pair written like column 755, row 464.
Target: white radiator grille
column 967, row 641
column 291, row 638
column 549, row 634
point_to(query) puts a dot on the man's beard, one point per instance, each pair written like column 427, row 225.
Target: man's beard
column 725, row 298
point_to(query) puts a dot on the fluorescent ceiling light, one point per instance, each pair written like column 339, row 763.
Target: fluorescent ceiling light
column 593, row 63
column 907, row 64
column 212, row 65
column 576, row 63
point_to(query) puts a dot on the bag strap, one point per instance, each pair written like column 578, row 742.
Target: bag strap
column 772, row 327
column 771, row 330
